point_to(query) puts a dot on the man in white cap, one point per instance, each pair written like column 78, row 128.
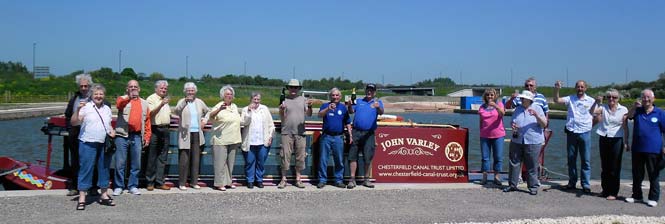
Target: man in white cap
column 292, row 112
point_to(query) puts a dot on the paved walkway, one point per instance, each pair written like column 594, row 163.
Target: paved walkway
column 387, row 203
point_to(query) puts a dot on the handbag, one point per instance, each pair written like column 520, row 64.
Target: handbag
column 109, row 144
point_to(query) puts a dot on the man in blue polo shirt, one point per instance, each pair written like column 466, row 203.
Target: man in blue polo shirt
column 649, row 125
column 366, row 111
column 335, row 118
column 578, row 129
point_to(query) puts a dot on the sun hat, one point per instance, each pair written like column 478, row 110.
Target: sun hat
column 526, row 94
column 293, row 82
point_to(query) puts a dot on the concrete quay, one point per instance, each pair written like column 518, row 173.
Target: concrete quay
column 28, row 110
column 387, row 203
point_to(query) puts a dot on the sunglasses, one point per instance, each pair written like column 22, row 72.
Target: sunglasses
column 528, row 85
column 612, row 97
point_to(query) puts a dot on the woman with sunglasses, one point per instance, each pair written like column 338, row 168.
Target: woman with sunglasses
column 491, row 134
column 613, row 132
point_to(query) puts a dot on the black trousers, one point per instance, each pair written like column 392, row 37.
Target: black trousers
column 157, row 156
column 650, row 161
column 611, row 152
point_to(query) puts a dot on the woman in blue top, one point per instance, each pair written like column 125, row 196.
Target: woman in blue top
column 528, row 122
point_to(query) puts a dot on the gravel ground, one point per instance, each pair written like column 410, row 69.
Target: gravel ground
column 385, row 204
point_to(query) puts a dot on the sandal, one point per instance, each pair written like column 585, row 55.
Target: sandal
column 80, row 206
column 107, row 202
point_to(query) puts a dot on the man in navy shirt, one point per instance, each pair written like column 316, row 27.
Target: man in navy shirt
column 335, row 118
column 366, row 111
column 649, row 125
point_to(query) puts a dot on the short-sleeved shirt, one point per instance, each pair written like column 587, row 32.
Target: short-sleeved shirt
column 164, row 115
column 226, row 125
column 335, row 120
column 94, row 127
column 648, row 130
column 539, row 100
column 365, row 116
column 491, row 123
column 579, row 120
column 529, row 130
column 294, row 116
column 611, row 126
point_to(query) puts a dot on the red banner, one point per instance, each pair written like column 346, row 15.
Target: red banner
column 420, row 155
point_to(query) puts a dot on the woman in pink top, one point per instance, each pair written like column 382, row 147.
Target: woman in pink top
column 491, row 134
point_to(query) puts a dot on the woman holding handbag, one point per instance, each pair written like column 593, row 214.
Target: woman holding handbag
column 95, row 120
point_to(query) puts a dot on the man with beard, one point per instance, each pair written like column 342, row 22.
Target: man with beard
column 578, row 129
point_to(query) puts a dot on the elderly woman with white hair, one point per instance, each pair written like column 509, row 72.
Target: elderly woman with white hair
column 192, row 112
column 256, row 139
column 226, row 139
column 613, row 130
column 528, row 122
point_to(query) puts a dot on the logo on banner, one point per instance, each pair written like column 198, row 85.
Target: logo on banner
column 454, row 152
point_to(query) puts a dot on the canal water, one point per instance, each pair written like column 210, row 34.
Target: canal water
column 22, row 140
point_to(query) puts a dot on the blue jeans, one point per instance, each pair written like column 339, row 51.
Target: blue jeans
column 334, row 145
column 134, row 143
column 89, row 154
column 255, row 161
column 579, row 143
column 486, row 146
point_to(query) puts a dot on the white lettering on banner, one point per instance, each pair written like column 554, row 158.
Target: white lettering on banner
column 410, row 141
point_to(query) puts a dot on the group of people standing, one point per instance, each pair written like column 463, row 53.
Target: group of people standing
column 144, row 123
column 530, row 119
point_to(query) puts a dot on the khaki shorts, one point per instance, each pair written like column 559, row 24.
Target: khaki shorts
column 291, row 143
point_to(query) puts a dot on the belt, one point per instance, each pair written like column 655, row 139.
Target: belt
column 162, row 126
column 332, row 133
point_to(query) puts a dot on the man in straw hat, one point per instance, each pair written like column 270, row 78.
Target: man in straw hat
column 292, row 113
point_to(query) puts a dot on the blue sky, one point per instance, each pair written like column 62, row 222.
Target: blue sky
column 397, row 42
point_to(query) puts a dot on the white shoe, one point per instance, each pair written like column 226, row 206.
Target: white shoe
column 632, row 200
column 196, row 186
column 117, row 191
column 182, row 188
column 651, row 203
column 134, row 191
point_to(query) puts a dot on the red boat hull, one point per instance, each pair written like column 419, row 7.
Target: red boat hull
column 25, row 176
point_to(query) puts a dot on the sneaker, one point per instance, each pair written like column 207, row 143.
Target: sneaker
column 651, row 203
column 72, row 193
column 134, row 191
column 633, row 200
column 351, row 185
column 150, row 188
column 196, row 186
column 282, row 184
column 368, row 184
column 182, row 188
column 117, row 192
column 340, row 185
column 320, row 185
column 259, row 184
column 533, row 192
column 299, row 184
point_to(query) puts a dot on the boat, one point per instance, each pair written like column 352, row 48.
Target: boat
column 406, row 152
